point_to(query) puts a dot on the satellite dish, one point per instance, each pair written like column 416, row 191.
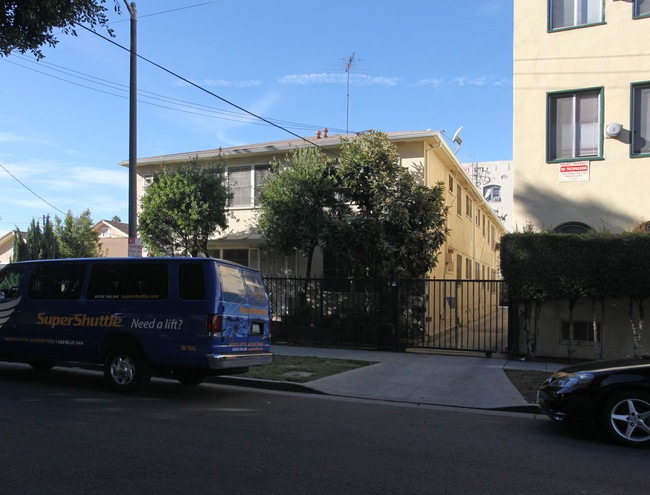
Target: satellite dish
column 456, row 139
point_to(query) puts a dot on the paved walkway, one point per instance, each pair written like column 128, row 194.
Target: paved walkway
column 434, row 379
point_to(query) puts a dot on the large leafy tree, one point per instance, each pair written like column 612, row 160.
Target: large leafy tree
column 297, row 203
column 38, row 244
column 182, row 208
column 76, row 237
column 395, row 225
column 27, row 25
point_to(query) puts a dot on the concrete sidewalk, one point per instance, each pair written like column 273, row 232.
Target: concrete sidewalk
column 433, row 379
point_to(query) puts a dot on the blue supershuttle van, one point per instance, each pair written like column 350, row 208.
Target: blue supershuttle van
column 185, row 317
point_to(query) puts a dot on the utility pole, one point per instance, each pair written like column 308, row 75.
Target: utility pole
column 133, row 127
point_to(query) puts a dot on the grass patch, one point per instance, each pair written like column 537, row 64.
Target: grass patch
column 302, row 369
column 527, row 382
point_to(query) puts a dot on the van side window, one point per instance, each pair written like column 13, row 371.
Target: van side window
column 191, row 281
column 10, row 279
column 255, row 289
column 128, row 281
column 60, row 281
column 233, row 285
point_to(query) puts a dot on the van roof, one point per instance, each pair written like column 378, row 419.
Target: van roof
column 148, row 259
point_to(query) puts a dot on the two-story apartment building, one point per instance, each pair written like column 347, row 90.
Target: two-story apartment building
column 581, row 145
column 469, row 252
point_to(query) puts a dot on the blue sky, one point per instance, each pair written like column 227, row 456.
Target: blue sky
column 419, row 64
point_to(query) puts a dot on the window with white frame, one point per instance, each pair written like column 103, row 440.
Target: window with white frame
column 641, row 119
column 574, row 125
column 245, row 184
column 261, row 174
column 641, row 8
column 564, row 14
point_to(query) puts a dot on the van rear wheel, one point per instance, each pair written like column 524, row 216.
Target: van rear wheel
column 126, row 370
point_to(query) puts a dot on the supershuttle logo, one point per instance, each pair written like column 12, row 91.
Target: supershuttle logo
column 78, row 320
column 7, row 309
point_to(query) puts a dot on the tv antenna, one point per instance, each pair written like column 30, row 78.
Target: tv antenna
column 349, row 63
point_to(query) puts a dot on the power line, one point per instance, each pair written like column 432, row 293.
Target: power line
column 212, row 94
column 26, row 187
column 220, row 113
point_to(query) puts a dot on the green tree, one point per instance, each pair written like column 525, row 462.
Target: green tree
column 39, row 244
column 395, row 225
column 27, row 25
column 76, row 237
column 297, row 203
column 183, row 208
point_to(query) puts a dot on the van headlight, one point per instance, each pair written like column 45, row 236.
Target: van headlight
column 562, row 379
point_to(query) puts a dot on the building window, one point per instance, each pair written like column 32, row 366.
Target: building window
column 583, row 331
column 565, row 14
column 468, row 268
column 478, row 216
column 262, row 172
column 641, row 8
column 236, row 255
column 483, row 225
column 641, row 119
column 574, row 125
column 492, row 193
column 245, row 184
column 468, row 206
column 459, row 200
column 239, row 183
column 451, row 184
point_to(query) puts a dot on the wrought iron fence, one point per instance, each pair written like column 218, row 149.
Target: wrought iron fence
column 392, row 315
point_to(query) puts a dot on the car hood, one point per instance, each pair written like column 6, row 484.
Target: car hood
column 608, row 365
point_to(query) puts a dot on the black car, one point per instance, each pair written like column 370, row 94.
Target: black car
column 614, row 395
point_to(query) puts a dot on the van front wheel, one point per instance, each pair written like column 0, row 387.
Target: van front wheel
column 126, row 370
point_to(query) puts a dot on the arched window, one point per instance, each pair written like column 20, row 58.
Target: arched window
column 572, row 228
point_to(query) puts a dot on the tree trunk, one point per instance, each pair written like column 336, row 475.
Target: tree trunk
column 572, row 305
column 635, row 332
column 529, row 340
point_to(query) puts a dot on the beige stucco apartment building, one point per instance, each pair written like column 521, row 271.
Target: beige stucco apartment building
column 469, row 252
column 581, row 114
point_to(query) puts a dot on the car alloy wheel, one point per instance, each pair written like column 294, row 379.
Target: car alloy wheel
column 628, row 418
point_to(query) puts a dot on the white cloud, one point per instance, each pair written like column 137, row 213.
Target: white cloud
column 490, row 7
column 221, row 83
column 433, row 83
column 338, row 78
column 5, row 137
column 437, row 83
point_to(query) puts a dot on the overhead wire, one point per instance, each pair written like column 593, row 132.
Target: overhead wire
column 30, row 190
column 213, row 111
column 242, row 109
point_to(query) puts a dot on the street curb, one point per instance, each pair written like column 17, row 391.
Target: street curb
column 264, row 384
column 305, row 389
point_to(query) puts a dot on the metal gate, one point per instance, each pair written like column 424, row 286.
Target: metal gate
column 460, row 315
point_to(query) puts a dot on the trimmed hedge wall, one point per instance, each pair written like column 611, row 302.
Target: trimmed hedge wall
column 541, row 266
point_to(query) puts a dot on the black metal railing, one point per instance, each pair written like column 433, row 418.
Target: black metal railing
column 467, row 315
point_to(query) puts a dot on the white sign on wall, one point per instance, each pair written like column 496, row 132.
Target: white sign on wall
column 135, row 248
column 574, row 171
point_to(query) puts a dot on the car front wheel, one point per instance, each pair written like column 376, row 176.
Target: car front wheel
column 626, row 418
